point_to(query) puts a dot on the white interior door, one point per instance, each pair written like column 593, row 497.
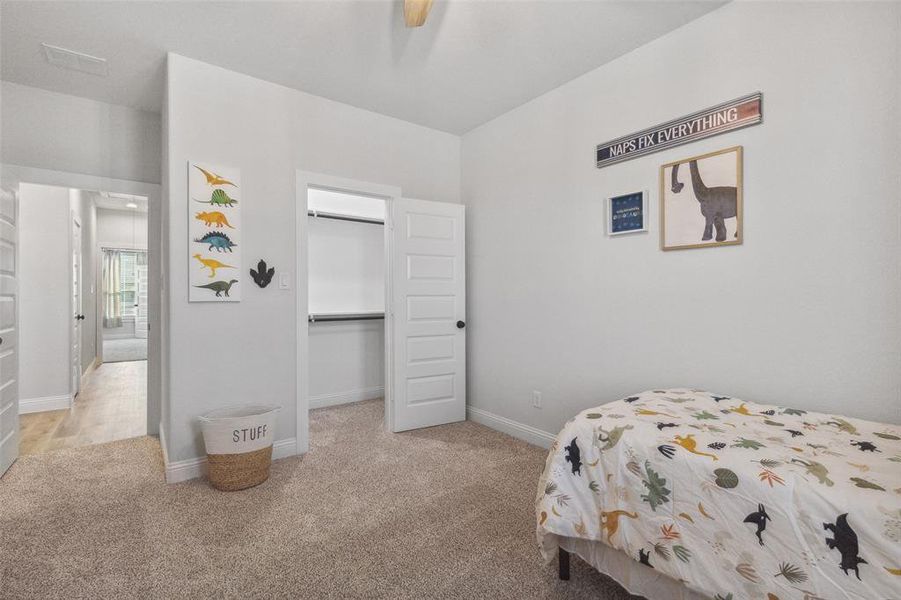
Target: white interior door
column 77, row 315
column 428, row 313
column 9, row 357
column 141, row 302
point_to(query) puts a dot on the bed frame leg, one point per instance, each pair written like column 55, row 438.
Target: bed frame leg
column 563, row 564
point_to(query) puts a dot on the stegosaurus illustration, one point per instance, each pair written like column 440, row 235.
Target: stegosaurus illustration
column 217, row 240
column 220, row 287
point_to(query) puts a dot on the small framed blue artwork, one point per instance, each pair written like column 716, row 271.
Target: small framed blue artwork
column 627, row 213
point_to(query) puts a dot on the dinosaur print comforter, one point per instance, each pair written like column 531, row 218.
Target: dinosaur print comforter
column 734, row 499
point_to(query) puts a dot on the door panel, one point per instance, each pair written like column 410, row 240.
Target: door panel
column 75, row 353
column 429, row 298
column 9, row 358
column 141, row 302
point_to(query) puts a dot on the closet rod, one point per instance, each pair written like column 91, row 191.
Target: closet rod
column 316, row 318
column 340, row 217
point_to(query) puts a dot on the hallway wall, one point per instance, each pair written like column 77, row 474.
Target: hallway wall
column 48, row 130
column 44, row 296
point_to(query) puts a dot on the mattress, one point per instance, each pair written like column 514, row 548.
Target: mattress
column 730, row 498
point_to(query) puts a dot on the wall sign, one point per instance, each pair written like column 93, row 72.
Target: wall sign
column 214, row 233
column 627, row 213
column 729, row 116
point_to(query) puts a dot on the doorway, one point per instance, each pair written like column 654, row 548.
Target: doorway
column 83, row 260
column 419, row 275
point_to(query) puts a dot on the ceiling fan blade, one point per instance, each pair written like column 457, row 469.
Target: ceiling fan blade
column 416, row 11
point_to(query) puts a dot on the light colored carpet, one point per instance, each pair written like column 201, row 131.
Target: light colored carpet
column 444, row 512
column 124, row 350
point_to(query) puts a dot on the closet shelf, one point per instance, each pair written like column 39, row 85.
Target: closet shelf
column 340, row 217
column 366, row 316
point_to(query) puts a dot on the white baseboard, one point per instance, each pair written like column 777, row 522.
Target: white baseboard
column 520, row 431
column 193, row 468
column 33, row 405
column 337, row 398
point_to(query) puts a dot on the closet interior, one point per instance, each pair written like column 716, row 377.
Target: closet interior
column 346, row 254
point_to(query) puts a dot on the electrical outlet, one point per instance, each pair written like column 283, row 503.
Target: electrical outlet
column 536, row 399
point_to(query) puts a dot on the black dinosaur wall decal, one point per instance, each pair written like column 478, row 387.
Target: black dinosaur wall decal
column 845, row 541
column 759, row 518
column 574, row 457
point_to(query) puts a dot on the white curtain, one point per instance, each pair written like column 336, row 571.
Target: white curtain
column 112, row 298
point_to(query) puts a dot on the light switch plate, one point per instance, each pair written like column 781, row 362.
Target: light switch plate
column 284, row 281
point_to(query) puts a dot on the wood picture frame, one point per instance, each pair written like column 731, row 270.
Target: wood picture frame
column 716, row 217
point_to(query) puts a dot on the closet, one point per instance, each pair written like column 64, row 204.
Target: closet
column 346, row 282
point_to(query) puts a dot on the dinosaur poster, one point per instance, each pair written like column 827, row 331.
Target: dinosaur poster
column 701, row 201
column 214, row 233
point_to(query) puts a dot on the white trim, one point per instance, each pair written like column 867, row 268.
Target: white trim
column 33, row 405
column 193, row 468
column 337, row 398
column 526, row 433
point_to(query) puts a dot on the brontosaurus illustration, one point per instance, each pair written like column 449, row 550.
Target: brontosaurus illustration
column 643, row 557
column 717, row 203
column 758, row 518
column 816, row 469
column 842, row 425
column 212, row 264
column 610, row 521
column 213, row 179
column 845, row 540
column 574, row 457
column 612, row 437
column 689, row 443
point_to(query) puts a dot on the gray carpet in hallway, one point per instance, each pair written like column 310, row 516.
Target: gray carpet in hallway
column 124, row 350
column 444, row 512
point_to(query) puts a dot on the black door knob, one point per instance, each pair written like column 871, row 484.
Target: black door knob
column 460, row 324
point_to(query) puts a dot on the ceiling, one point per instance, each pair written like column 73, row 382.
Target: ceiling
column 113, row 201
column 472, row 61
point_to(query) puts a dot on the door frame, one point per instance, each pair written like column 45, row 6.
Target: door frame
column 388, row 193
column 75, row 221
column 13, row 175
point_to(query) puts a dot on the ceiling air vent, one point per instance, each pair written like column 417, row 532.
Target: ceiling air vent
column 76, row 61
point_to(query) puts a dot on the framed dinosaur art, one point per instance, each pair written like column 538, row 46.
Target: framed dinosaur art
column 214, row 233
column 701, row 201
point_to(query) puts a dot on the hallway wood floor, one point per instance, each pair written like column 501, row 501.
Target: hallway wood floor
column 112, row 406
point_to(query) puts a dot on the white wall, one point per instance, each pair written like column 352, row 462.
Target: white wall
column 346, row 266
column 269, row 132
column 804, row 313
column 44, row 291
column 121, row 229
column 55, row 131
column 346, row 274
column 347, row 362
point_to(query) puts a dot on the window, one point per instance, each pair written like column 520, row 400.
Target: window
column 128, row 280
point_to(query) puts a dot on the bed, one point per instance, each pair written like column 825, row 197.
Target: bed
column 681, row 493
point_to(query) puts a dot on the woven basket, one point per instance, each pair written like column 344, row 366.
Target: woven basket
column 238, row 444
column 233, row 472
